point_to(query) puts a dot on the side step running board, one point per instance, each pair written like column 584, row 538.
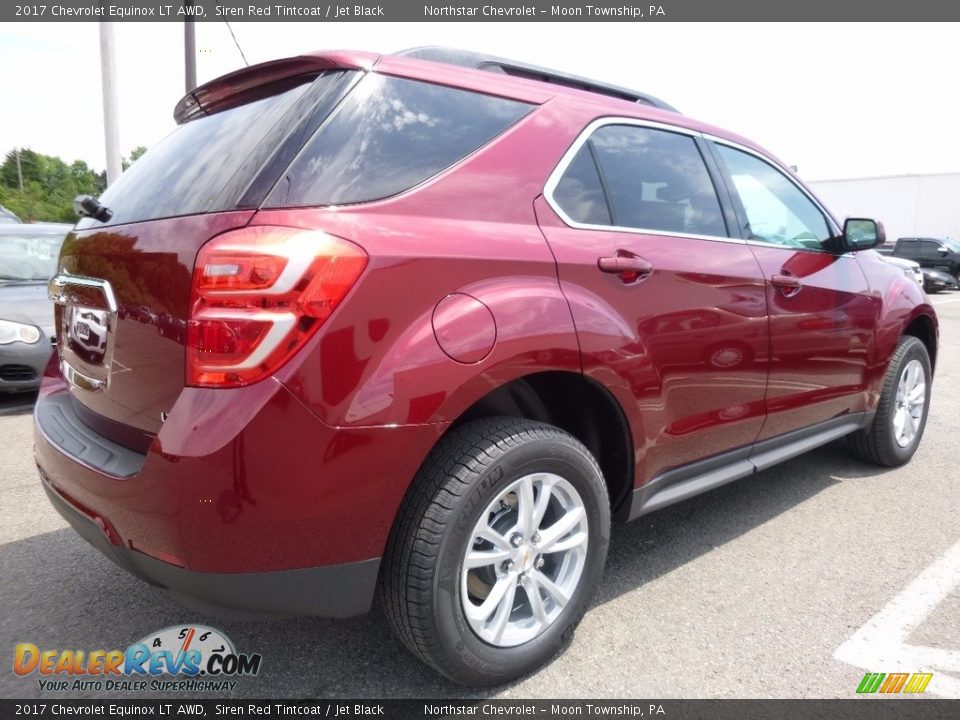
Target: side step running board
column 685, row 482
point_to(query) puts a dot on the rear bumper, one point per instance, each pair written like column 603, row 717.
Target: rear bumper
column 245, row 502
column 331, row 591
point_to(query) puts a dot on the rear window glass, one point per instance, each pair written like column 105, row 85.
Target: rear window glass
column 580, row 192
column 388, row 135
column 186, row 172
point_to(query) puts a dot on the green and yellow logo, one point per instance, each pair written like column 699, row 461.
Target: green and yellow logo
column 894, row 683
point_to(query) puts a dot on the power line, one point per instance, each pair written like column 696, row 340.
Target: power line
column 227, row 23
column 240, row 49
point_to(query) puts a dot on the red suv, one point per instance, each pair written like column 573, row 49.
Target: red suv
column 427, row 323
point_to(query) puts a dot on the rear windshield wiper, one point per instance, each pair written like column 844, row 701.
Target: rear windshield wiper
column 89, row 206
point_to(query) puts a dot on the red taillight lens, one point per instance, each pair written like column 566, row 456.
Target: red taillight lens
column 258, row 294
column 236, row 271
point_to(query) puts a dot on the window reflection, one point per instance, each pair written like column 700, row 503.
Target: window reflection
column 777, row 211
column 185, row 172
column 655, row 180
column 388, row 135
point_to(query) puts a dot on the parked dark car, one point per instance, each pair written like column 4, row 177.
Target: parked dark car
column 28, row 259
column 172, row 327
column 933, row 253
column 447, row 316
column 937, row 280
column 910, row 268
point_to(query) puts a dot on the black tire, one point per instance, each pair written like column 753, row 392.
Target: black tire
column 877, row 443
column 462, row 475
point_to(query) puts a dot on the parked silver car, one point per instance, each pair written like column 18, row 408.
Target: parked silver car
column 28, row 259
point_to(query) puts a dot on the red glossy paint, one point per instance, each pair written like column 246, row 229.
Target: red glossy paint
column 150, row 266
column 472, row 281
column 685, row 348
column 222, row 491
column 464, row 328
column 820, row 337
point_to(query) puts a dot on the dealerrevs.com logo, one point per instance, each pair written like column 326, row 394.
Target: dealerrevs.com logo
column 180, row 657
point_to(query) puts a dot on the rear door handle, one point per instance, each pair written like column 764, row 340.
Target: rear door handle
column 630, row 267
column 789, row 285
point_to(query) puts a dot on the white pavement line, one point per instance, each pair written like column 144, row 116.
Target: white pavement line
column 944, row 302
column 881, row 644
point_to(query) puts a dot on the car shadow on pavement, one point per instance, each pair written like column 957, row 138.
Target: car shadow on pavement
column 17, row 404
column 653, row 545
column 59, row 593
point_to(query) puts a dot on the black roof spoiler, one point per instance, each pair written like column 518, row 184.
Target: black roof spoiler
column 479, row 61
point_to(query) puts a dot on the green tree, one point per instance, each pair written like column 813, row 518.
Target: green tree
column 49, row 185
column 134, row 156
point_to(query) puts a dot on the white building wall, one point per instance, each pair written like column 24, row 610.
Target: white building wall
column 907, row 205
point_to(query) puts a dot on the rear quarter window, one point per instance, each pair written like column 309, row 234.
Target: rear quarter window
column 387, row 136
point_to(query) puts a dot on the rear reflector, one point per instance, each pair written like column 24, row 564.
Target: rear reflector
column 259, row 293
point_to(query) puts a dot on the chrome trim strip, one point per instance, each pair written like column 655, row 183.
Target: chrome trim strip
column 56, row 289
column 571, row 153
column 585, row 134
column 78, row 379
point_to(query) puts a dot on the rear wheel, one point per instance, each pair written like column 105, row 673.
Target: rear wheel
column 497, row 550
column 901, row 417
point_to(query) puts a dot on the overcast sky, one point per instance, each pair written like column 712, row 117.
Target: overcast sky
column 844, row 100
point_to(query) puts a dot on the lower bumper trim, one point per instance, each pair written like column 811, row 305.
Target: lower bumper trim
column 329, row 591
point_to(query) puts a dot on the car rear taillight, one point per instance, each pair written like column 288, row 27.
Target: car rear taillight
column 259, row 293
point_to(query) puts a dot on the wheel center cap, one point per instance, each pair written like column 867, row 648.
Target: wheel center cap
column 525, row 561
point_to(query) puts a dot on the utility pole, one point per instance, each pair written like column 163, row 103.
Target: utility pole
column 19, row 171
column 108, row 75
column 189, row 50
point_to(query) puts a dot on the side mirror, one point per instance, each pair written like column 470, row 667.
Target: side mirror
column 861, row 234
column 942, row 250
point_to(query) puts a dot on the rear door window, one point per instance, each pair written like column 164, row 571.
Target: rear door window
column 387, row 136
column 655, row 180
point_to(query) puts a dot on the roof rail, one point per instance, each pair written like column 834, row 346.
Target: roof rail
column 478, row 61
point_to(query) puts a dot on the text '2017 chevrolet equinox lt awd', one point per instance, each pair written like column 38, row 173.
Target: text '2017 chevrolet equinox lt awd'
column 426, row 323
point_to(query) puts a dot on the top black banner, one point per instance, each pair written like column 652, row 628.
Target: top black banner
column 518, row 10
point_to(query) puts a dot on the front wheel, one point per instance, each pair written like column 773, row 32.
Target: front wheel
column 901, row 416
column 497, row 550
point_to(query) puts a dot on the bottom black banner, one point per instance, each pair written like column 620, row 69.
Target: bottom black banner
column 867, row 709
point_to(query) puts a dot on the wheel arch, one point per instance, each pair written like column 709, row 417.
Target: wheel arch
column 579, row 406
column 924, row 328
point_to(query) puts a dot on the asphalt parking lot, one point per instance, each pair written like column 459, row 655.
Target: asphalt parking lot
column 793, row 583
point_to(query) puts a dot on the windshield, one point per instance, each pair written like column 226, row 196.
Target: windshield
column 952, row 245
column 29, row 258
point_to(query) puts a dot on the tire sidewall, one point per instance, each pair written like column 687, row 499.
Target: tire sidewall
column 915, row 351
column 458, row 641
